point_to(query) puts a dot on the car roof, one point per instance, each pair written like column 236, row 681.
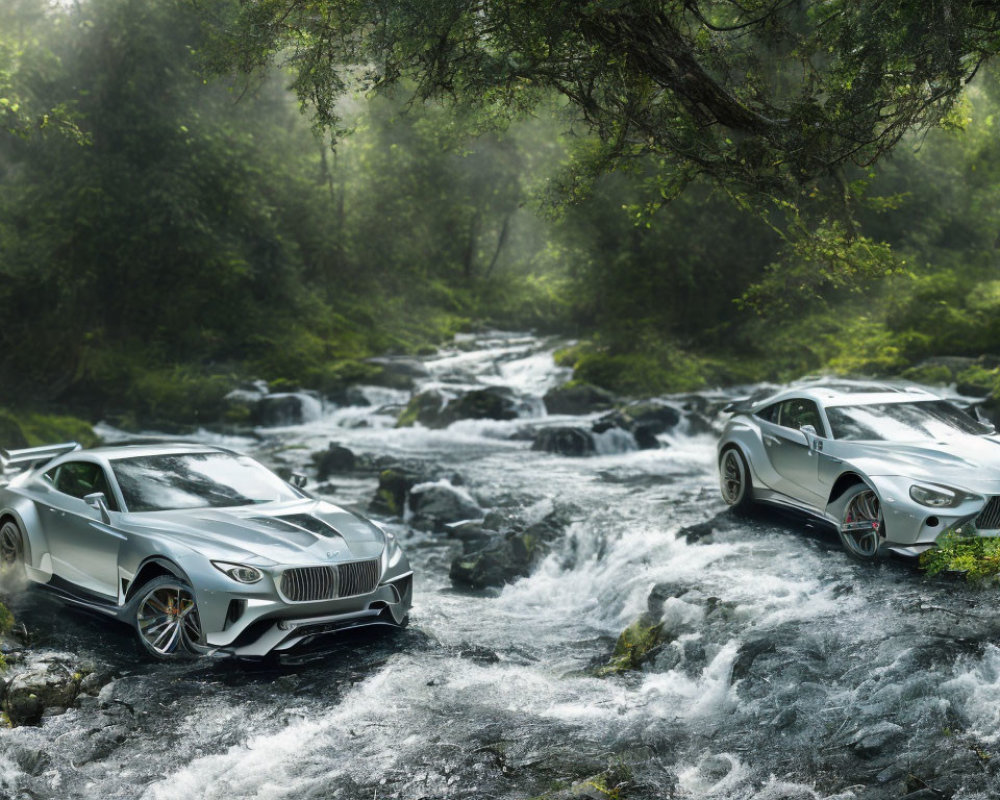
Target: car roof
column 116, row 451
column 850, row 393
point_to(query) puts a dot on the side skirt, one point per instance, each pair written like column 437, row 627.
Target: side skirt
column 74, row 595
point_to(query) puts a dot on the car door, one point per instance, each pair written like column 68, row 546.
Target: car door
column 788, row 450
column 84, row 551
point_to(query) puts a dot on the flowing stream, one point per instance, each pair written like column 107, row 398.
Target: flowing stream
column 790, row 671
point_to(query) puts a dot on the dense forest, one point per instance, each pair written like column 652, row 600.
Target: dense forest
column 185, row 204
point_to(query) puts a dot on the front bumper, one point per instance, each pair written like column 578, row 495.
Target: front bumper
column 251, row 625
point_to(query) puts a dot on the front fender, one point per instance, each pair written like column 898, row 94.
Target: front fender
column 907, row 522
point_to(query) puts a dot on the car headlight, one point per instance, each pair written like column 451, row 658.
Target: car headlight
column 239, row 572
column 393, row 552
column 937, row 496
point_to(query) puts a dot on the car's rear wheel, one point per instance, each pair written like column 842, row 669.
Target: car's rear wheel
column 735, row 480
column 165, row 615
column 862, row 525
column 11, row 550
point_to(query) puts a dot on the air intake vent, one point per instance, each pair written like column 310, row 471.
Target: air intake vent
column 989, row 517
column 311, row 524
column 309, row 584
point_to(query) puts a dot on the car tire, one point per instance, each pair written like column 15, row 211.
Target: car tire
column 862, row 526
column 164, row 613
column 11, row 551
column 735, row 481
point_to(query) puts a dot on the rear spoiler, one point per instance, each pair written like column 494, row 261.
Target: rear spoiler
column 742, row 405
column 30, row 456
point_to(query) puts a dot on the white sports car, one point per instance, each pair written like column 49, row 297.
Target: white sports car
column 199, row 548
column 890, row 467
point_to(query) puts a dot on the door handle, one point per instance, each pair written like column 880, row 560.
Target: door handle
column 769, row 440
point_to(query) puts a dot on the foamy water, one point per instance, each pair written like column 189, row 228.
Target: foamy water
column 789, row 672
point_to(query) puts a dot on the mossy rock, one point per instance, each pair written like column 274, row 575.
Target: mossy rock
column 636, row 645
column 577, row 398
column 30, row 429
column 6, row 619
column 612, row 784
column 394, row 484
column 425, row 408
column 929, row 374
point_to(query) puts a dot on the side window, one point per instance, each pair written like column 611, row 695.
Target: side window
column 769, row 414
column 796, row 413
column 80, row 478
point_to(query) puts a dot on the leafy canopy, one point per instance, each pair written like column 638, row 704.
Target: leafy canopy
column 765, row 94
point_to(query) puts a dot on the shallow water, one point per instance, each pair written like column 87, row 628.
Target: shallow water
column 792, row 672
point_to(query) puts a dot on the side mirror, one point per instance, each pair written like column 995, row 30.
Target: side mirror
column 812, row 437
column 99, row 502
column 298, row 480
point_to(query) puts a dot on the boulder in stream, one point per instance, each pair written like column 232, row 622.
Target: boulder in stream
column 335, row 459
column 434, row 409
column 565, row 440
column 49, row 685
column 394, row 484
column 435, row 505
column 577, row 399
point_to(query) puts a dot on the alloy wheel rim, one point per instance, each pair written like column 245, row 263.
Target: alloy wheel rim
column 862, row 524
column 732, row 478
column 10, row 546
column 168, row 619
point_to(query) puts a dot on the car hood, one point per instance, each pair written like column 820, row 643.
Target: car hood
column 299, row 532
column 968, row 462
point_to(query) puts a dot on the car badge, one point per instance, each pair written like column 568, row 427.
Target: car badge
column 332, row 553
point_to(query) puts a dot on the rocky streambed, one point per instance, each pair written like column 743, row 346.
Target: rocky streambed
column 588, row 621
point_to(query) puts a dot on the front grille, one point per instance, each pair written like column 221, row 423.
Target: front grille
column 308, row 584
column 304, row 584
column 989, row 517
column 361, row 577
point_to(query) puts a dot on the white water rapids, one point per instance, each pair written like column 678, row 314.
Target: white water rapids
column 790, row 672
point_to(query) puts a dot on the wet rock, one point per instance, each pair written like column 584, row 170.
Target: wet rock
column 659, row 417
column 698, row 425
column 871, row 741
column 394, row 484
column 30, row 760
column 508, row 554
column 46, row 685
column 334, row 459
column 610, row 785
column 279, row 410
column 397, row 372
column 748, row 653
column 434, row 409
column 434, row 505
column 636, row 645
column 645, row 437
column 479, row 654
column 578, row 398
column 505, row 558
column 425, row 408
column 494, row 402
column 565, row 441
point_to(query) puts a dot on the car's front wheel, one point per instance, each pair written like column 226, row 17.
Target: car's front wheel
column 735, row 481
column 862, row 525
column 165, row 615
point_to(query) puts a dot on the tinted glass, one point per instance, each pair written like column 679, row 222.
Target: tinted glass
column 80, row 478
column 770, row 413
column 796, row 413
column 902, row 422
column 196, row 480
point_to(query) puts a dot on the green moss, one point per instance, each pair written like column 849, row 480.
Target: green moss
column 6, row 619
column 30, row 429
column 178, row 394
column 568, row 356
column 978, row 558
column 635, row 645
column 40, row 429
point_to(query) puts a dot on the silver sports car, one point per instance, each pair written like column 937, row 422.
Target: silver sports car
column 890, row 467
column 200, row 549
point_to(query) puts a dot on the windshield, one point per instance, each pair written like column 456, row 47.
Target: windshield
column 196, row 480
column 902, row 422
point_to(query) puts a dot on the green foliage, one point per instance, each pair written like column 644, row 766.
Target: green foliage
column 31, row 429
column 6, row 622
column 978, row 558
